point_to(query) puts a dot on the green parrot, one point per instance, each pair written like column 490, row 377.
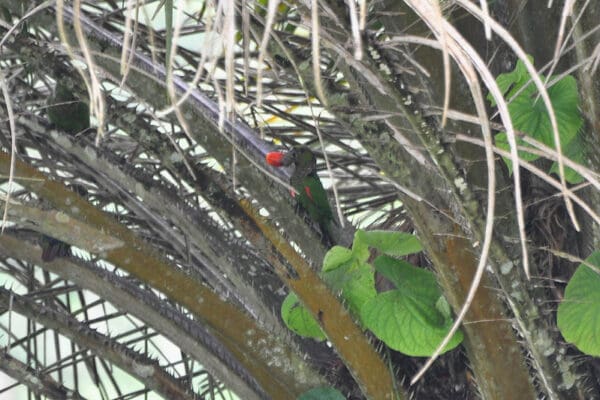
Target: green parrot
column 66, row 111
column 311, row 194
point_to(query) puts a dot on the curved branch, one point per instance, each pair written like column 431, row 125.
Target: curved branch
column 40, row 383
column 137, row 365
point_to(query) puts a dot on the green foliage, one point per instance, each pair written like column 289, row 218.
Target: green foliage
column 322, row 393
column 395, row 244
column 298, row 319
column 573, row 151
column 354, row 281
column 579, row 312
column 412, row 319
column 335, row 257
column 529, row 115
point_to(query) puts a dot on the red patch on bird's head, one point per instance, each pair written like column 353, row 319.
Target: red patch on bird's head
column 274, row 158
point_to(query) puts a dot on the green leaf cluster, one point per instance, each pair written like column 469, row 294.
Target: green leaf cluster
column 579, row 312
column 412, row 319
column 530, row 116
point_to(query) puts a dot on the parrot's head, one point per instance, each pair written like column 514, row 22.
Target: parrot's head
column 302, row 158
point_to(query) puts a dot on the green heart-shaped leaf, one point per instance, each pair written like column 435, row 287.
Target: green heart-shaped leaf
column 354, row 281
column 530, row 115
column 509, row 83
column 360, row 248
column 335, row 257
column 298, row 319
column 576, row 152
column 408, row 278
column 408, row 324
column 579, row 313
column 394, row 244
column 502, row 143
column 411, row 319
